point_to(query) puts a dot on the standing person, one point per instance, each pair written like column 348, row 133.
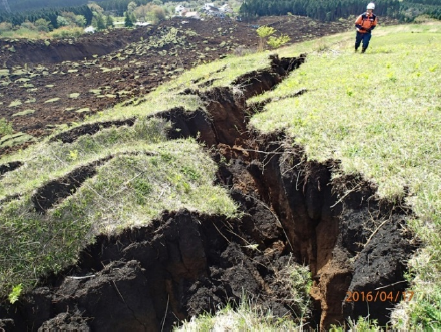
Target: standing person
column 365, row 23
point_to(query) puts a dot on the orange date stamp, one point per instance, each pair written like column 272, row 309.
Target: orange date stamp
column 380, row 296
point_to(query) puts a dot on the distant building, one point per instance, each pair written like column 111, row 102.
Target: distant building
column 179, row 9
column 212, row 10
column 225, row 8
column 194, row 15
column 89, row 29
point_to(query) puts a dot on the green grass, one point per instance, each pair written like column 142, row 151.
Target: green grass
column 146, row 175
column 246, row 317
column 5, row 127
column 380, row 114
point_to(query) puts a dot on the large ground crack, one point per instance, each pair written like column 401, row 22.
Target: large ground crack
column 184, row 264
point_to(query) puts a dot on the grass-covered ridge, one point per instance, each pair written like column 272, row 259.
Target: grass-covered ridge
column 145, row 175
column 380, row 114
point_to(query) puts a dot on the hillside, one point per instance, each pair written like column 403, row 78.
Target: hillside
column 292, row 182
column 50, row 83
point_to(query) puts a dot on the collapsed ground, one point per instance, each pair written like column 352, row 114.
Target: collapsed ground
column 184, row 263
column 48, row 83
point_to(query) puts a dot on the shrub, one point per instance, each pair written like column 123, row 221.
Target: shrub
column 5, row 127
column 276, row 42
column 264, row 32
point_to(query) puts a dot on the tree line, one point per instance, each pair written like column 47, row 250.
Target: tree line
column 116, row 7
column 34, row 5
column 50, row 15
column 332, row 10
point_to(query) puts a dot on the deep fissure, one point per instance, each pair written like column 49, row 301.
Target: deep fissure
column 186, row 263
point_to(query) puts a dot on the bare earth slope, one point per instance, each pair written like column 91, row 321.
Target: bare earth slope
column 56, row 82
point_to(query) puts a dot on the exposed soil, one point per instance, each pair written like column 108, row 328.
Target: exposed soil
column 184, row 264
column 55, row 191
column 9, row 167
column 63, row 81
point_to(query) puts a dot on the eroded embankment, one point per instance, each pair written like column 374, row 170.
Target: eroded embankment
column 186, row 263
column 43, row 52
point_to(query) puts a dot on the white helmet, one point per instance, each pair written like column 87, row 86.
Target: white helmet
column 371, row 6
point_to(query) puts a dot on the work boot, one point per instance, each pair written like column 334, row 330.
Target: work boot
column 363, row 49
column 356, row 49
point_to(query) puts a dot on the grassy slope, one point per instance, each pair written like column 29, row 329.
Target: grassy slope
column 378, row 113
column 147, row 174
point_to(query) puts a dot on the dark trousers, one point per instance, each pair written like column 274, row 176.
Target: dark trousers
column 365, row 37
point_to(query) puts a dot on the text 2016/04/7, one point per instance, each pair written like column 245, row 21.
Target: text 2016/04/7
column 381, row 296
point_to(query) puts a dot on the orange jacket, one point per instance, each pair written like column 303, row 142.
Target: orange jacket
column 365, row 22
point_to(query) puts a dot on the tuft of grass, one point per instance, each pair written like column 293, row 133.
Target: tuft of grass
column 15, row 139
column 25, row 112
column 53, row 100
column 246, row 317
column 380, row 114
column 362, row 324
column 74, row 95
column 5, row 127
column 15, row 103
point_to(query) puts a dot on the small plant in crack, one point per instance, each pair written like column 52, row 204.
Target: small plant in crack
column 238, row 91
column 15, row 293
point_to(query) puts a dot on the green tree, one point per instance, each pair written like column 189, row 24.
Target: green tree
column 264, row 32
column 131, row 6
column 158, row 13
column 95, row 8
column 276, row 42
column 5, row 26
column 80, row 20
column 42, row 25
column 109, row 22
column 100, row 25
column 62, row 21
column 128, row 23
column 28, row 25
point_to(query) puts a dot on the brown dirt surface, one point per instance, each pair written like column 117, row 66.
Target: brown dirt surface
column 61, row 81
